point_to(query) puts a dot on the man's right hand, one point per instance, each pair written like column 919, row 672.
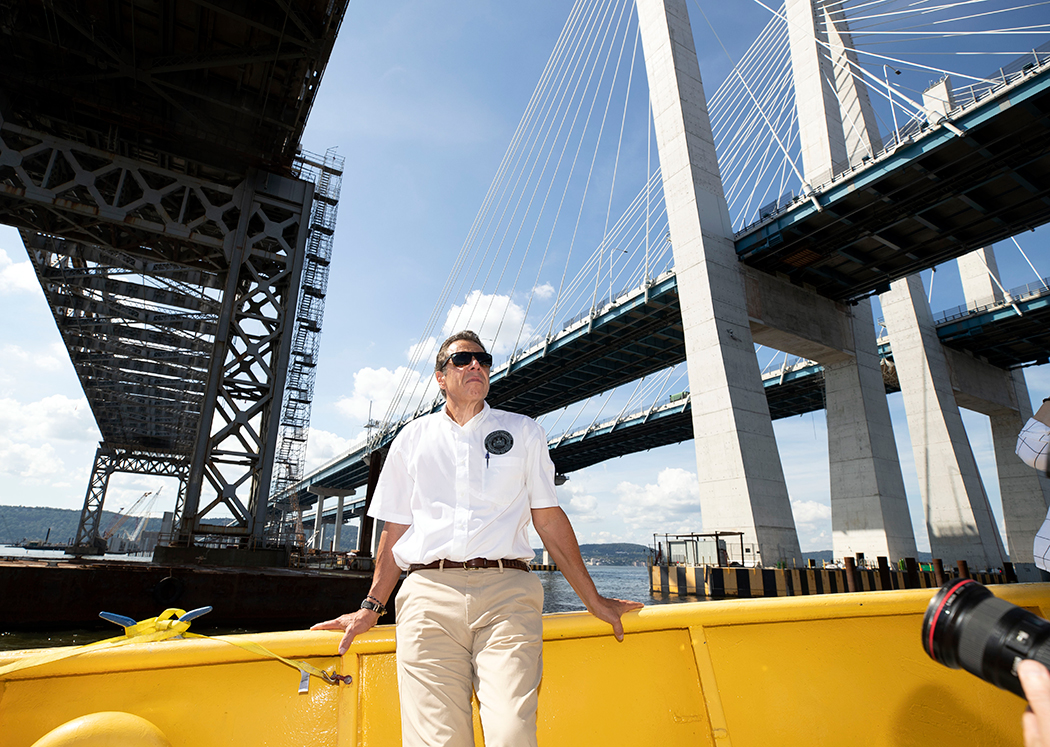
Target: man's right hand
column 352, row 624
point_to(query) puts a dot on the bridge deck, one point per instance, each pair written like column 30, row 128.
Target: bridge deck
column 934, row 197
column 990, row 331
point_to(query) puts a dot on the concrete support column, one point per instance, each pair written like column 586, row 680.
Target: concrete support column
column 338, row 522
column 837, row 128
column 958, row 516
column 1025, row 491
column 837, row 124
column 975, row 271
column 319, row 524
column 869, row 506
column 741, row 480
column 938, row 100
column 340, row 494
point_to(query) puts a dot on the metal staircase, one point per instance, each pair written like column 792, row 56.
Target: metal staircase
column 326, row 175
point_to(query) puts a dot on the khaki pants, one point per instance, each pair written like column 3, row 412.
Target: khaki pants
column 459, row 630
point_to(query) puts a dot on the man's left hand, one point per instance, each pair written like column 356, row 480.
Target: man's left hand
column 610, row 610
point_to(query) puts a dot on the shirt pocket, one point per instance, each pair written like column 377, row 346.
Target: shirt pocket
column 502, row 478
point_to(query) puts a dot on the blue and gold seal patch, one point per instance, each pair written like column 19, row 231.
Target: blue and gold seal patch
column 498, row 442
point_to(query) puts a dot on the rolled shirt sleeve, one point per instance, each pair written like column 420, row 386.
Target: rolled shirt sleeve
column 1033, row 444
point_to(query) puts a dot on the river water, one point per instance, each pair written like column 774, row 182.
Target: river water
column 623, row 582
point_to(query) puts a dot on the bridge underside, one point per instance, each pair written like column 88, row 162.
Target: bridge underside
column 149, row 158
column 639, row 334
column 1006, row 335
column 936, row 197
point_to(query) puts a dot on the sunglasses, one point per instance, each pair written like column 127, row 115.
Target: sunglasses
column 463, row 358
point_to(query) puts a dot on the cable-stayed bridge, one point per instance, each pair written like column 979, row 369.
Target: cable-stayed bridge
column 620, row 345
column 805, row 213
column 827, row 213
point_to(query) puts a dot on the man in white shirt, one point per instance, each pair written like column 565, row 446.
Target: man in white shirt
column 456, row 493
column 1033, row 447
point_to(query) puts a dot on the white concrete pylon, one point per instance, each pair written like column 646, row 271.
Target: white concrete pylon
column 741, row 480
column 841, row 128
column 340, row 494
column 958, row 517
column 979, row 273
column 869, row 505
column 318, row 537
column 837, row 129
column 1024, row 491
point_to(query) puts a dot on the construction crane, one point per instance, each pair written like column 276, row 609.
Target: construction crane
column 145, row 503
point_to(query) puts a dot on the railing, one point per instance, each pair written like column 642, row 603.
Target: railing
column 1012, row 296
column 965, row 98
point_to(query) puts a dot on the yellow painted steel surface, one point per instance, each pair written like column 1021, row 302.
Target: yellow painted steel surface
column 845, row 669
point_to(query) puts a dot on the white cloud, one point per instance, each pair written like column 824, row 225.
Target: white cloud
column 543, row 292
column 814, row 542
column 496, row 319
column 16, row 277
column 28, row 461
column 580, row 506
column 810, row 512
column 672, row 504
column 55, row 417
column 423, row 351
column 323, row 447
column 52, row 360
column 378, row 387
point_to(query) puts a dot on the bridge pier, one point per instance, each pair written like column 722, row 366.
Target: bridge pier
column 1025, row 492
column 742, row 484
column 837, row 128
column 869, row 505
column 958, row 516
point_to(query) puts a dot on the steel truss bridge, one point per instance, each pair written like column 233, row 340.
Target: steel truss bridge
column 149, row 156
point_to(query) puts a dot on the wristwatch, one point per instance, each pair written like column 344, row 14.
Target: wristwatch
column 369, row 603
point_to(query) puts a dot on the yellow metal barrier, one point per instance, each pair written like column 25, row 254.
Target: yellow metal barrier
column 774, row 671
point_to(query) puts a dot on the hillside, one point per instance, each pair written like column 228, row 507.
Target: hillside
column 612, row 553
column 18, row 523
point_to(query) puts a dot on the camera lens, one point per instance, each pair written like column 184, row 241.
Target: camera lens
column 966, row 627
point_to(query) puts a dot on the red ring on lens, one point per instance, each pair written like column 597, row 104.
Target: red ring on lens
column 933, row 625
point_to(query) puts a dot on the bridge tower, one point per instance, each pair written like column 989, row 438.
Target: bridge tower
column 935, row 381
column 837, row 129
column 1003, row 396
column 742, row 484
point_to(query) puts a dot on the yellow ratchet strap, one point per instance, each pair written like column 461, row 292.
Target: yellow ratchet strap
column 164, row 626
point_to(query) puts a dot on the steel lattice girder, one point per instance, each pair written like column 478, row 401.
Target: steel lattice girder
column 241, row 409
column 216, row 299
column 110, row 459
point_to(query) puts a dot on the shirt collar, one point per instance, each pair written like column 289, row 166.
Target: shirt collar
column 472, row 424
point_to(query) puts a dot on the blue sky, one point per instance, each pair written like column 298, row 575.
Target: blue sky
column 421, row 98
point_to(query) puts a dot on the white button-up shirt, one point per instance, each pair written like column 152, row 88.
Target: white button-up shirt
column 1033, row 446
column 465, row 491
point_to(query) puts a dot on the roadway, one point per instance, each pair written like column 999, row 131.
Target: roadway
column 988, row 330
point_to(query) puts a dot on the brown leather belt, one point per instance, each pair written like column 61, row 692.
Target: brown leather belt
column 519, row 565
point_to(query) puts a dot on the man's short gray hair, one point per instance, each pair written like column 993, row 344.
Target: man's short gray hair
column 442, row 354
